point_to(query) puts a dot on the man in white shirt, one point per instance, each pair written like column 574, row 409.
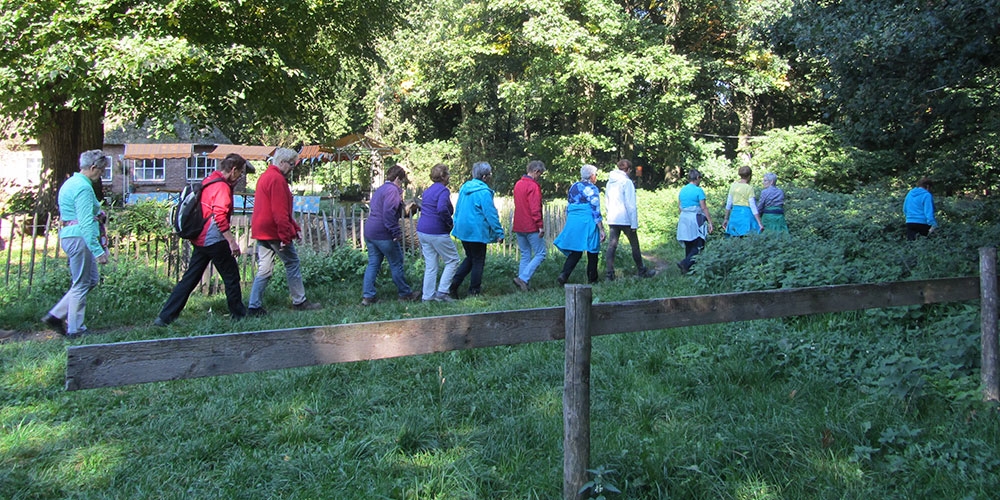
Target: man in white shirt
column 623, row 217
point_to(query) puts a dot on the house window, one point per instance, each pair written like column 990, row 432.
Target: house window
column 151, row 169
column 33, row 169
column 199, row 167
column 106, row 175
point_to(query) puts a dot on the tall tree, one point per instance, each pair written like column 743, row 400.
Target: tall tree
column 242, row 66
column 564, row 81
column 917, row 77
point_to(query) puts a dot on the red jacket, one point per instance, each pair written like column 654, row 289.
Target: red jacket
column 527, row 206
column 272, row 209
column 216, row 205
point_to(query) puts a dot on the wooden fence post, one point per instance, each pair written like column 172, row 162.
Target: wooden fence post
column 988, row 314
column 576, row 391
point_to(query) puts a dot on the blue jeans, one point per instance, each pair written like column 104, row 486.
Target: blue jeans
column 219, row 255
column 377, row 251
column 266, row 250
column 84, row 277
column 532, row 247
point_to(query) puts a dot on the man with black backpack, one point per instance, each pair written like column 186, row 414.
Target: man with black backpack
column 216, row 243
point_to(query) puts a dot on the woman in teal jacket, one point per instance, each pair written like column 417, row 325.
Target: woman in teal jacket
column 476, row 224
column 918, row 208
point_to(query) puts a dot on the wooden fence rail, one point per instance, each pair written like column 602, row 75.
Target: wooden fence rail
column 108, row 365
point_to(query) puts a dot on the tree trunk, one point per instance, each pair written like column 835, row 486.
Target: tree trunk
column 744, row 111
column 69, row 134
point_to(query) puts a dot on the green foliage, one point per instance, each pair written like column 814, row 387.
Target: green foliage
column 324, row 270
column 140, row 219
column 15, row 198
column 897, row 76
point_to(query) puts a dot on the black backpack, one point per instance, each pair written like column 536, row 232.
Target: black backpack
column 186, row 219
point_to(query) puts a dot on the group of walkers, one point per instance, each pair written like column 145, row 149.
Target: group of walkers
column 745, row 212
column 473, row 221
column 271, row 224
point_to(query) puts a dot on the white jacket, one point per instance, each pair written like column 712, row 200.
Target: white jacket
column 620, row 194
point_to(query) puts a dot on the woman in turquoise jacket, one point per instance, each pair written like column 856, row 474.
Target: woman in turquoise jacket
column 477, row 223
column 918, row 208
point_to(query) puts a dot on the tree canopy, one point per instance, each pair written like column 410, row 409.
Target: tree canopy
column 251, row 68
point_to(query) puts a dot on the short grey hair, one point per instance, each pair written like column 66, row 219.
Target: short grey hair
column 586, row 171
column 284, row 154
column 535, row 166
column 481, row 170
column 771, row 178
column 90, row 158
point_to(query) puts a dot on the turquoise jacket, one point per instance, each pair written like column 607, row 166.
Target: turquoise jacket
column 918, row 207
column 476, row 217
column 78, row 205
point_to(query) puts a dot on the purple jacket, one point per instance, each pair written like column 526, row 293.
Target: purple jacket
column 436, row 210
column 386, row 208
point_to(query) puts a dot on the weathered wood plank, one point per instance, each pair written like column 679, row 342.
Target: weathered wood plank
column 640, row 315
column 106, row 365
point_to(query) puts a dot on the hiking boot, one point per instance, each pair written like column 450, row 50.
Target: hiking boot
column 523, row 285
column 410, row 297
column 367, row 301
column 256, row 312
column 305, row 305
column 54, row 323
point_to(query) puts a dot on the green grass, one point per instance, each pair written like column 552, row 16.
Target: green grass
column 862, row 405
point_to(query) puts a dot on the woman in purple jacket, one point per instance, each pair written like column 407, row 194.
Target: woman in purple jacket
column 383, row 235
column 434, row 232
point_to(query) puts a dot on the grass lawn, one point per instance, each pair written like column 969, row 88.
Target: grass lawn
column 864, row 405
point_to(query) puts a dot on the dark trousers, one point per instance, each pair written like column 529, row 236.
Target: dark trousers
column 573, row 258
column 475, row 261
column 914, row 229
column 222, row 258
column 633, row 241
column 691, row 248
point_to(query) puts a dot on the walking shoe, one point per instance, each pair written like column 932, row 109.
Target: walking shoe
column 610, row 276
column 256, row 312
column 159, row 322
column 523, row 285
column 305, row 305
column 410, row 297
column 453, row 291
column 54, row 323
column 443, row 297
column 561, row 279
column 367, row 301
column 684, row 269
column 646, row 272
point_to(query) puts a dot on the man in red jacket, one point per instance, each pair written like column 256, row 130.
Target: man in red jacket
column 216, row 244
column 275, row 230
column 528, row 224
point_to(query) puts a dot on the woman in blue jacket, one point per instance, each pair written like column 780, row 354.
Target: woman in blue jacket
column 918, row 207
column 476, row 224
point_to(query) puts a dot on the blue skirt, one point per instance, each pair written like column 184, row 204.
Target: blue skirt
column 580, row 233
column 741, row 222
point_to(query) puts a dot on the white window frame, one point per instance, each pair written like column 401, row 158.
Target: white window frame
column 149, row 170
column 108, row 174
column 199, row 167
